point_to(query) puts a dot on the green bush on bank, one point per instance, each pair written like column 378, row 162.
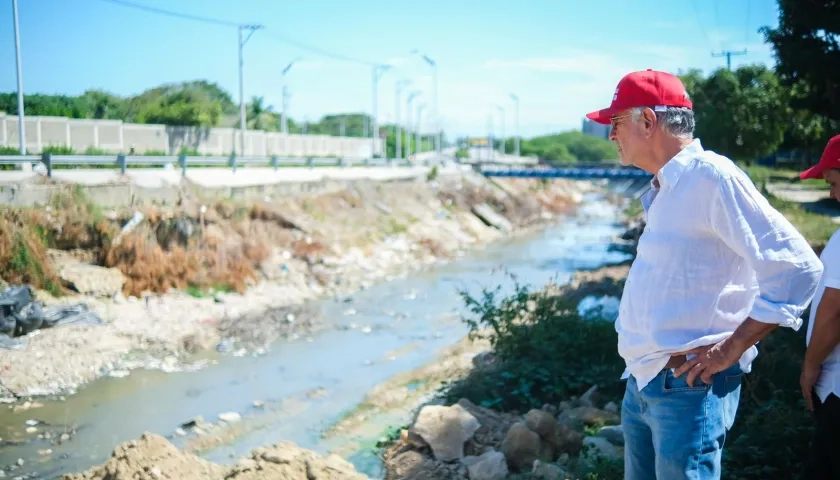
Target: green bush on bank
column 544, row 352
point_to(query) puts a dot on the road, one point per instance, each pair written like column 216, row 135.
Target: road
column 224, row 177
column 812, row 199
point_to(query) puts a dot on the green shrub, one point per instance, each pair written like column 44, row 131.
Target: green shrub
column 544, row 351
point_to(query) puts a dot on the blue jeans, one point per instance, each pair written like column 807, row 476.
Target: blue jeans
column 673, row 431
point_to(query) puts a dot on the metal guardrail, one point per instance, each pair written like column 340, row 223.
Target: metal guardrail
column 124, row 162
column 571, row 172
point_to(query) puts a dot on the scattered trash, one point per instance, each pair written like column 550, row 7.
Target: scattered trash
column 21, row 315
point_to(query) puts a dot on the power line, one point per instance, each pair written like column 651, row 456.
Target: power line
column 320, row 51
column 700, row 23
column 170, row 13
column 226, row 23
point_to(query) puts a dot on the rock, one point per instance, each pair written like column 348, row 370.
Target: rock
column 590, row 398
column 599, row 447
column 549, row 408
column 92, row 279
column 550, row 471
column 489, row 466
column 597, row 451
column 230, row 417
column 445, row 429
column 568, row 440
column 412, row 439
column 483, row 359
column 579, row 417
column 613, row 433
column 541, row 422
column 491, row 218
column 521, row 447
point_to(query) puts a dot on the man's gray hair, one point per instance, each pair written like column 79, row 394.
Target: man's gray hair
column 676, row 121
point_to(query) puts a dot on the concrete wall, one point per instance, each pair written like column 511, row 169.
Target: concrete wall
column 114, row 136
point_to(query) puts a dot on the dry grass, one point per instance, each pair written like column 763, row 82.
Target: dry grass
column 23, row 254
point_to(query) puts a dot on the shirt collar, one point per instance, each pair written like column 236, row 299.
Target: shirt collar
column 669, row 175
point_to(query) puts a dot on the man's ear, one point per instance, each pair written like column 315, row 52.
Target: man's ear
column 649, row 119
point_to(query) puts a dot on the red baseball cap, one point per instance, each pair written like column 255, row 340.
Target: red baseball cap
column 829, row 159
column 648, row 88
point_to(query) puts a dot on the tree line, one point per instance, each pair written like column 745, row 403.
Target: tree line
column 197, row 103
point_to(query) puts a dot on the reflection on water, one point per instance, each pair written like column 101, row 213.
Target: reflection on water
column 394, row 327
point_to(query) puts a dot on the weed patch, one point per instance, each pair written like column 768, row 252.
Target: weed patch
column 544, row 351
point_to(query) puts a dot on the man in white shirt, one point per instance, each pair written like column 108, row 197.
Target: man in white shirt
column 820, row 379
column 716, row 270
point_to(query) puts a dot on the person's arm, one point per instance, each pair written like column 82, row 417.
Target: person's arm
column 787, row 271
column 786, row 267
column 825, row 335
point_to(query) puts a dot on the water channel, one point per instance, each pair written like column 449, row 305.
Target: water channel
column 393, row 327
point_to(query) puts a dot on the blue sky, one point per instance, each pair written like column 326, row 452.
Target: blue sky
column 561, row 57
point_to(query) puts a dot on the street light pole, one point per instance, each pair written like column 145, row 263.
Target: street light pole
column 409, row 125
column 399, row 86
column 436, row 112
column 242, row 124
column 284, row 117
column 21, row 127
column 417, row 140
column 516, row 122
column 378, row 70
column 502, row 111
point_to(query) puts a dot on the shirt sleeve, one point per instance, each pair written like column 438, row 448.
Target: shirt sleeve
column 786, row 267
column 831, row 262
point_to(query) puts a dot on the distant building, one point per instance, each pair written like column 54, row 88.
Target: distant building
column 596, row 129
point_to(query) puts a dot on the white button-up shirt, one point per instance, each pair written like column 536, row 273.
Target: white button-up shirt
column 713, row 253
column 829, row 381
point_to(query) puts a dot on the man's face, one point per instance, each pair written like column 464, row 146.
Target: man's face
column 629, row 136
column 832, row 178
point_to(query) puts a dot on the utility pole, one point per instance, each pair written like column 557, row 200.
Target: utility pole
column 242, row 124
column 398, row 149
column 378, row 70
column 516, row 122
column 21, row 128
column 728, row 54
column 501, row 110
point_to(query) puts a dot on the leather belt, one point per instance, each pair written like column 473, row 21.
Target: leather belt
column 675, row 361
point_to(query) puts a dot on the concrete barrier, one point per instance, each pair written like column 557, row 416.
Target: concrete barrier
column 168, row 186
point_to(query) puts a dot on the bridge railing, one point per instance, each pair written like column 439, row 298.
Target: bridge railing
column 126, row 162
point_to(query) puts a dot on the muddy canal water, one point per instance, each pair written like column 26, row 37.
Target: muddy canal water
column 299, row 388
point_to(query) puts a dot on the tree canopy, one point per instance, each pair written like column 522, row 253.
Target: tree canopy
column 196, row 103
column 807, row 52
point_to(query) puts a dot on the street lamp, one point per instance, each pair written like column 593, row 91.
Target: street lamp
column 378, row 70
column 516, row 122
column 502, row 111
column 284, row 119
column 21, row 128
column 399, row 86
column 410, row 102
column 417, row 138
column 436, row 112
column 242, row 126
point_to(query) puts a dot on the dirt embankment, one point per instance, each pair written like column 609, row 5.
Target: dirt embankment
column 154, row 458
column 171, row 281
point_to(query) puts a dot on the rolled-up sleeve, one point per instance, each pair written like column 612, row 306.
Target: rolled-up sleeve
column 786, row 267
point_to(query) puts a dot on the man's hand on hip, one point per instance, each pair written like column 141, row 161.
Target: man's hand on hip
column 809, row 377
column 710, row 360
